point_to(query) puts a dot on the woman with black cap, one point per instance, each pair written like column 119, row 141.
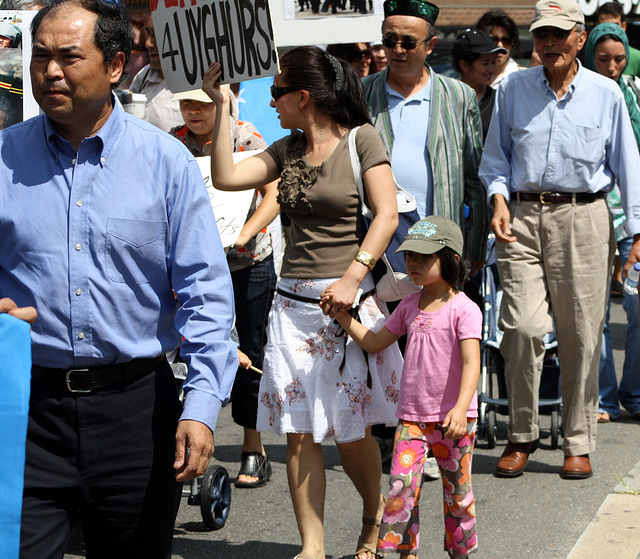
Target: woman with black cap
column 475, row 57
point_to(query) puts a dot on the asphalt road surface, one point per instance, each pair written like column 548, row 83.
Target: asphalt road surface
column 537, row 515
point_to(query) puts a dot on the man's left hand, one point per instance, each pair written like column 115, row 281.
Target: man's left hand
column 194, row 447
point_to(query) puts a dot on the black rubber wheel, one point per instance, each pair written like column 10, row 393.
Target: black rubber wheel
column 555, row 429
column 492, row 429
column 215, row 497
column 482, row 420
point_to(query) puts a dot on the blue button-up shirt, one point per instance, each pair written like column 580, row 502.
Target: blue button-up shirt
column 580, row 143
column 409, row 156
column 96, row 241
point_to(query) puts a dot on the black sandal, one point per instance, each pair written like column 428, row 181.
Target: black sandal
column 255, row 465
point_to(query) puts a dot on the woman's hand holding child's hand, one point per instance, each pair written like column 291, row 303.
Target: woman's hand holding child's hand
column 327, row 296
column 339, row 296
column 456, row 421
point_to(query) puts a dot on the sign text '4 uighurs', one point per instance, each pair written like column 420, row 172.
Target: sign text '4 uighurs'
column 191, row 35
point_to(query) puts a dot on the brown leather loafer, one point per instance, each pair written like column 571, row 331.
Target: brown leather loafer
column 514, row 458
column 576, row 467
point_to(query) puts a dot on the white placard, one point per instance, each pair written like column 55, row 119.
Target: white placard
column 324, row 29
column 589, row 7
column 229, row 208
column 191, row 35
column 292, row 10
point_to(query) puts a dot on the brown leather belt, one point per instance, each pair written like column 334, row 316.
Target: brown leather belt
column 84, row 381
column 558, row 197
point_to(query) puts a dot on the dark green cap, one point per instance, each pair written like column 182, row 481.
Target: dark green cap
column 417, row 8
column 431, row 234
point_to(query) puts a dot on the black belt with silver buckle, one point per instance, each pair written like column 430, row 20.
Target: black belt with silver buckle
column 549, row 197
column 84, row 381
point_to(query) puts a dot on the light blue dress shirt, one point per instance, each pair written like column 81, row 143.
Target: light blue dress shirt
column 409, row 157
column 96, row 241
column 580, row 143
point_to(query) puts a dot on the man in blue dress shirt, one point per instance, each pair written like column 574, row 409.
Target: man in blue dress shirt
column 102, row 218
column 559, row 139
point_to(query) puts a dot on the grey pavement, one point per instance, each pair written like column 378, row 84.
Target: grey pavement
column 537, row 515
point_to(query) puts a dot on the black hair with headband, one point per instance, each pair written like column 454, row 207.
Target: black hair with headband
column 337, row 67
column 333, row 84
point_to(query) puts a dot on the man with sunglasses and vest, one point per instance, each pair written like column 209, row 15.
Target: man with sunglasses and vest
column 559, row 138
column 430, row 125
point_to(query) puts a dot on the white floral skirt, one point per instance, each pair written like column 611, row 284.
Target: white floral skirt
column 304, row 390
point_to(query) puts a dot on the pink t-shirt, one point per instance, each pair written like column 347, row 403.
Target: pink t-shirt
column 432, row 372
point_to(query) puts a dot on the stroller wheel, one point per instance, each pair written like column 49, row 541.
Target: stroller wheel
column 482, row 420
column 215, row 497
column 555, row 429
column 492, row 429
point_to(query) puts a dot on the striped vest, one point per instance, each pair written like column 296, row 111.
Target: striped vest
column 455, row 148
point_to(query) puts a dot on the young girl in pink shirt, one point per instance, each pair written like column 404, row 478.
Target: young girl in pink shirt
column 437, row 405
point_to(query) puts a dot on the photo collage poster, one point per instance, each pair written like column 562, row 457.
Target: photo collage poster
column 16, row 97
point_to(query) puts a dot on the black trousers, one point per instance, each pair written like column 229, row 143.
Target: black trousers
column 253, row 289
column 106, row 457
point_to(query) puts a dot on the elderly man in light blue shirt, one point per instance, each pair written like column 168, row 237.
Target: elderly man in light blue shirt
column 559, row 138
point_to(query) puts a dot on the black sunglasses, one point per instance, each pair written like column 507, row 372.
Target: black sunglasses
column 407, row 44
column 356, row 56
column 506, row 41
column 543, row 32
column 277, row 92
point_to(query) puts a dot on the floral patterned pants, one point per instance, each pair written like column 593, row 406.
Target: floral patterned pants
column 401, row 521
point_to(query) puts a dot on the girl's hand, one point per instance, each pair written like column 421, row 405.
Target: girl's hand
column 211, row 83
column 343, row 294
column 327, row 296
column 456, row 421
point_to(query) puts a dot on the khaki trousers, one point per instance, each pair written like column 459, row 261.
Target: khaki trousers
column 560, row 263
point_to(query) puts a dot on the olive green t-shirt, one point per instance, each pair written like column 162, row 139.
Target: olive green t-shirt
column 327, row 229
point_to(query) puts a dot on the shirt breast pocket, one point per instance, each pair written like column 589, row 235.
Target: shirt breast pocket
column 135, row 250
column 586, row 145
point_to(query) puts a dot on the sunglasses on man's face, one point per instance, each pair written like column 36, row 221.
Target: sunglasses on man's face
column 407, row 44
column 277, row 91
column 543, row 32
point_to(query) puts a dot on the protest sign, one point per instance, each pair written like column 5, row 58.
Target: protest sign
column 589, row 7
column 229, row 208
column 192, row 34
column 336, row 10
column 296, row 29
column 254, row 107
